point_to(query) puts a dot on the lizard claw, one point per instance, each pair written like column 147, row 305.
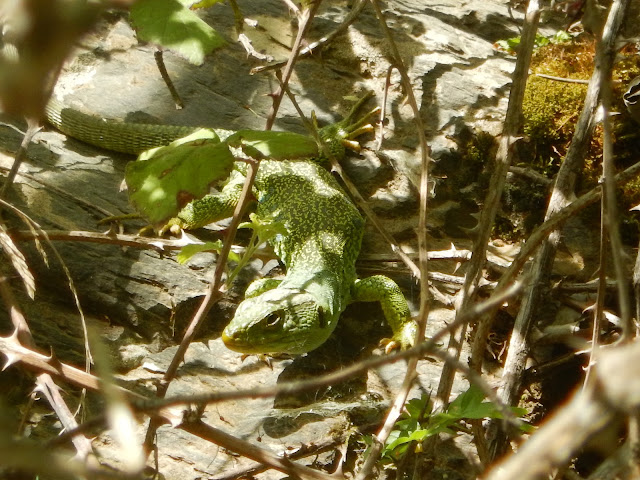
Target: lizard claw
column 389, row 345
column 173, row 227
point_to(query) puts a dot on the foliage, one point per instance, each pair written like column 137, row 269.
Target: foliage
column 171, row 24
column 167, row 178
column 188, row 251
column 511, row 45
column 261, row 233
column 419, row 422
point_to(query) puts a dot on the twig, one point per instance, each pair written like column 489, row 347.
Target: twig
column 264, row 456
column 610, row 213
column 305, row 22
column 158, row 244
column 503, row 160
column 318, row 45
column 212, row 296
column 410, row 374
column 21, row 154
column 598, row 310
column 159, row 57
column 44, row 382
column 562, row 79
column 303, row 451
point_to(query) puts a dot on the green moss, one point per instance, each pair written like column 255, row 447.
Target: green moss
column 551, row 108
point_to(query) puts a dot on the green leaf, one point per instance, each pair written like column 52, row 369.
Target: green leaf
column 417, row 407
column 407, row 425
column 415, row 436
column 202, row 3
column 541, row 41
column 561, row 36
column 172, row 25
column 189, row 251
column 275, row 145
column 469, row 404
column 165, row 179
column 264, row 230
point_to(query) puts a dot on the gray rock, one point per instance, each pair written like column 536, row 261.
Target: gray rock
column 460, row 82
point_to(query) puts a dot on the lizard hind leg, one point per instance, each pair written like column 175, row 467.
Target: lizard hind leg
column 379, row 288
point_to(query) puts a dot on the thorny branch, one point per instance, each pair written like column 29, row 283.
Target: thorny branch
column 510, row 133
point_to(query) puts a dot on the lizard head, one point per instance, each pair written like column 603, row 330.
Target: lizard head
column 282, row 320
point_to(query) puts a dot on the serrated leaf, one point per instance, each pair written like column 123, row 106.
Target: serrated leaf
column 172, row 25
column 165, row 179
column 275, row 145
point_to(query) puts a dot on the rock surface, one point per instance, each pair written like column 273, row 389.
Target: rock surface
column 141, row 300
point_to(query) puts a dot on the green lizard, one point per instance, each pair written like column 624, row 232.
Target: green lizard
column 323, row 236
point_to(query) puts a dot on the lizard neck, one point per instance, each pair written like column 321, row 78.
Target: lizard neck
column 327, row 288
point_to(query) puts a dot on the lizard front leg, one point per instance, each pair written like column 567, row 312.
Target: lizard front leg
column 208, row 209
column 394, row 306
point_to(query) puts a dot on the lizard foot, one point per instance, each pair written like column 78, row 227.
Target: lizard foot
column 341, row 135
column 403, row 339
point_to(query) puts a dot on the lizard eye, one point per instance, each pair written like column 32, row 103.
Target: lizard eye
column 272, row 319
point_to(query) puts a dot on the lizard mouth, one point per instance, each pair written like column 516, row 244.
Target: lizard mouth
column 235, row 343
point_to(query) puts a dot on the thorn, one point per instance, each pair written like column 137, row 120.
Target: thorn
column 10, row 360
column 53, row 359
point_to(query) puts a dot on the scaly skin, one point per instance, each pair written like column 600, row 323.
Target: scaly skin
column 324, row 233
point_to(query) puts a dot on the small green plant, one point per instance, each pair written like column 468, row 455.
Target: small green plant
column 419, row 422
column 261, row 233
column 511, row 45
